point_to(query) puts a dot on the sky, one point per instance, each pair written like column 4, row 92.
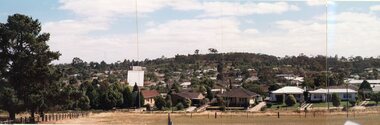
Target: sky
column 97, row 30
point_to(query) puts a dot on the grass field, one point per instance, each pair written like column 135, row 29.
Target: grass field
column 224, row 119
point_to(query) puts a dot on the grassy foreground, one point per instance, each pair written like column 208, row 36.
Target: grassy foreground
column 225, row 119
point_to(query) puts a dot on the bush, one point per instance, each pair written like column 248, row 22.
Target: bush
column 223, row 108
column 335, row 100
column 290, row 100
column 180, row 106
column 352, row 102
column 263, row 109
column 160, row 103
column 84, row 103
column 186, row 103
column 269, row 105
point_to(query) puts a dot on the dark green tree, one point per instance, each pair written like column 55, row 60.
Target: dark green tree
column 127, row 96
column 159, row 102
column 365, row 89
column 84, row 103
column 335, row 100
column 25, row 60
column 209, row 95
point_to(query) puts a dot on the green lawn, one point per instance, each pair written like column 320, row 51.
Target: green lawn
column 283, row 106
column 324, row 104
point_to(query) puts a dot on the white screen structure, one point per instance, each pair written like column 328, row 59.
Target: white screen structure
column 136, row 77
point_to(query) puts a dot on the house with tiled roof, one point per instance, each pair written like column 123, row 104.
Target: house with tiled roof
column 195, row 97
column 239, row 97
column 149, row 96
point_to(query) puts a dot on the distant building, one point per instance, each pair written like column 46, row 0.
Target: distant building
column 358, row 82
column 185, row 85
column 136, row 75
column 322, row 94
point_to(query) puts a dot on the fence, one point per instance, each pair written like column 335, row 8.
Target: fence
column 48, row 118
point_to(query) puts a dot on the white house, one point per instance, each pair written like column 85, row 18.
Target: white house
column 321, row 94
column 280, row 94
column 136, row 75
column 358, row 82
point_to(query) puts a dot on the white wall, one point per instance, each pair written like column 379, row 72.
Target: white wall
column 136, row 77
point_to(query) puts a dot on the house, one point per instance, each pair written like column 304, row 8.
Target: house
column 149, row 96
column 185, row 85
column 322, row 94
column 239, row 97
column 280, row 94
column 358, row 82
column 195, row 97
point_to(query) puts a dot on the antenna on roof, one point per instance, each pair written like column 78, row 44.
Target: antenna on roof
column 137, row 33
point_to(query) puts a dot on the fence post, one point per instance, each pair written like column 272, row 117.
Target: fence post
column 278, row 114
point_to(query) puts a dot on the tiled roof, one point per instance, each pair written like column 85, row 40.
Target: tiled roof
column 190, row 95
column 150, row 93
column 238, row 92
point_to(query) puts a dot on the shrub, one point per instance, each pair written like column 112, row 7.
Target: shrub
column 159, row 102
column 263, row 109
column 223, row 108
column 186, row 103
column 180, row 106
column 352, row 102
column 290, row 100
column 269, row 105
column 335, row 100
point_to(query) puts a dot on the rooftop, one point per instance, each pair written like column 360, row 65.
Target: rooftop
column 333, row 91
column 288, row 90
column 238, row 92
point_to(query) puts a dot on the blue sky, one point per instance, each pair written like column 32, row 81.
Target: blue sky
column 97, row 30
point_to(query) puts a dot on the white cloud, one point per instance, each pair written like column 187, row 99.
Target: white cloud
column 375, row 8
column 213, row 9
column 316, row 2
column 72, row 37
column 355, row 33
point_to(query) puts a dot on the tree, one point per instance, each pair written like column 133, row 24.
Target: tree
column 84, row 103
column 25, row 60
column 10, row 102
column 220, row 71
column 159, row 102
column 135, row 88
column 110, row 99
column 213, row 51
column 290, row 100
column 335, row 100
column 365, row 88
column 209, row 95
column 196, row 52
column 127, row 97
column 168, row 100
